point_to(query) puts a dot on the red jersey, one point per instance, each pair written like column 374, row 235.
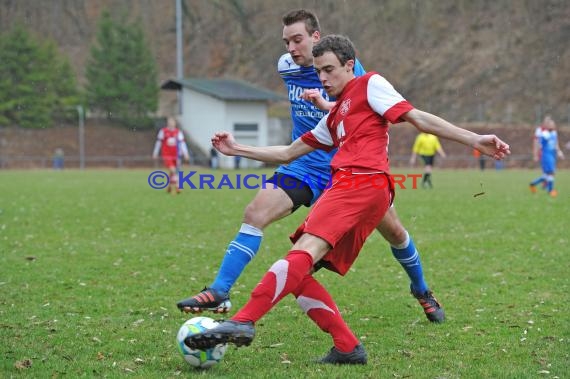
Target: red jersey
column 358, row 124
column 170, row 140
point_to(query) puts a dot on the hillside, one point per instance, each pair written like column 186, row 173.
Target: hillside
column 485, row 61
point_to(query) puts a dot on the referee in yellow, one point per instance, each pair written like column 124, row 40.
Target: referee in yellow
column 426, row 145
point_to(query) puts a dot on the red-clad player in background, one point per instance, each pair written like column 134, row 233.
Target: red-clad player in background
column 171, row 145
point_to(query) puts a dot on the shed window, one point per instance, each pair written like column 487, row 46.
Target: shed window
column 245, row 127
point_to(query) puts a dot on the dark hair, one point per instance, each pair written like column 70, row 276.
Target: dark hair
column 339, row 45
column 302, row 15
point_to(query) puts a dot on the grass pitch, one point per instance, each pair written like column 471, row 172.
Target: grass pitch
column 92, row 263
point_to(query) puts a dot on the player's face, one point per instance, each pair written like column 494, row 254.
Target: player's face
column 333, row 76
column 299, row 43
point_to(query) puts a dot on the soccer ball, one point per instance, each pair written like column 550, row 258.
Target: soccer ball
column 199, row 358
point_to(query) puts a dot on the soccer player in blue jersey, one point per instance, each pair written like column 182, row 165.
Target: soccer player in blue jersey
column 300, row 31
column 547, row 140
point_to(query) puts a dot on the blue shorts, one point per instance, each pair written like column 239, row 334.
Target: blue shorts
column 548, row 164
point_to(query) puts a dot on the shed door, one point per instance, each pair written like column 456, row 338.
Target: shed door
column 247, row 134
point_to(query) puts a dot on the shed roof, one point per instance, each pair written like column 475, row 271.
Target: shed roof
column 224, row 89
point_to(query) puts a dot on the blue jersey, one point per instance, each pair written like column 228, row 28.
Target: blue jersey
column 548, row 140
column 314, row 167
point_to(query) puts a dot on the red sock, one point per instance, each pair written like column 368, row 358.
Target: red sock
column 281, row 279
column 174, row 179
column 314, row 299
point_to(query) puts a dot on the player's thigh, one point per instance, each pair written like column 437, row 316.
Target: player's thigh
column 391, row 228
column 315, row 246
column 269, row 204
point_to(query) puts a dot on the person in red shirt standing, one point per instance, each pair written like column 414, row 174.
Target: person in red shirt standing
column 171, row 145
column 359, row 196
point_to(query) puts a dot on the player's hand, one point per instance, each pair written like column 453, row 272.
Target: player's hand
column 492, row 146
column 224, row 142
column 315, row 97
column 560, row 154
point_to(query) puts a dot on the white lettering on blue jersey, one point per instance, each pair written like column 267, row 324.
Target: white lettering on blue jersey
column 548, row 142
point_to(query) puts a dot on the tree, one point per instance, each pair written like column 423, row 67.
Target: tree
column 122, row 74
column 36, row 83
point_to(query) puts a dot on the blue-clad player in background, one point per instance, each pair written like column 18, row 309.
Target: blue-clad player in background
column 549, row 148
column 300, row 31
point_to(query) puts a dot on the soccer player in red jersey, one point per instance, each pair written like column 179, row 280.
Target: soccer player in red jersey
column 349, row 210
column 171, row 145
column 297, row 182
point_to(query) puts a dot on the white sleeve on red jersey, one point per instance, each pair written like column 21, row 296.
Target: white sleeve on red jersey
column 319, row 137
column 182, row 144
column 158, row 143
column 385, row 100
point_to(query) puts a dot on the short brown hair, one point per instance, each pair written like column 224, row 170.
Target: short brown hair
column 302, row 15
column 340, row 46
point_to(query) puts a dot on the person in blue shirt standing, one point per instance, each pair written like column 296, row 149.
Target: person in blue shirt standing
column 547, row 141
column 302, row 181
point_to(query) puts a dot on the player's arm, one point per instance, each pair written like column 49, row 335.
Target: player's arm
column 415, row 149
column 158, row 144
column 440, row 150
column 183, row 147
column 184, row 151
column 316, row 97
column 156, row 149
column 225, row 143
column 535, row 148
column 489, row 144
column 413, row 159
column 559, row 151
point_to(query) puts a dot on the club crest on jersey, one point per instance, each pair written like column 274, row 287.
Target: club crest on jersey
column 344, row 107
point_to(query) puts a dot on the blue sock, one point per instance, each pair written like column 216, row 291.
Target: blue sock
column 238, row 254
column 537, row 181
column 549, row 183
column 409, row 258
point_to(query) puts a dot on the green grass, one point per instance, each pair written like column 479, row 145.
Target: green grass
column 92, row 263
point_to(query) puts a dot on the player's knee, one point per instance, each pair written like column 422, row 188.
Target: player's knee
column 394, row 233
column 256, row 216
column 398, row 235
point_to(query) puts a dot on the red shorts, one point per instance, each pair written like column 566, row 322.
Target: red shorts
column 346, row 214
column 170, row 161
